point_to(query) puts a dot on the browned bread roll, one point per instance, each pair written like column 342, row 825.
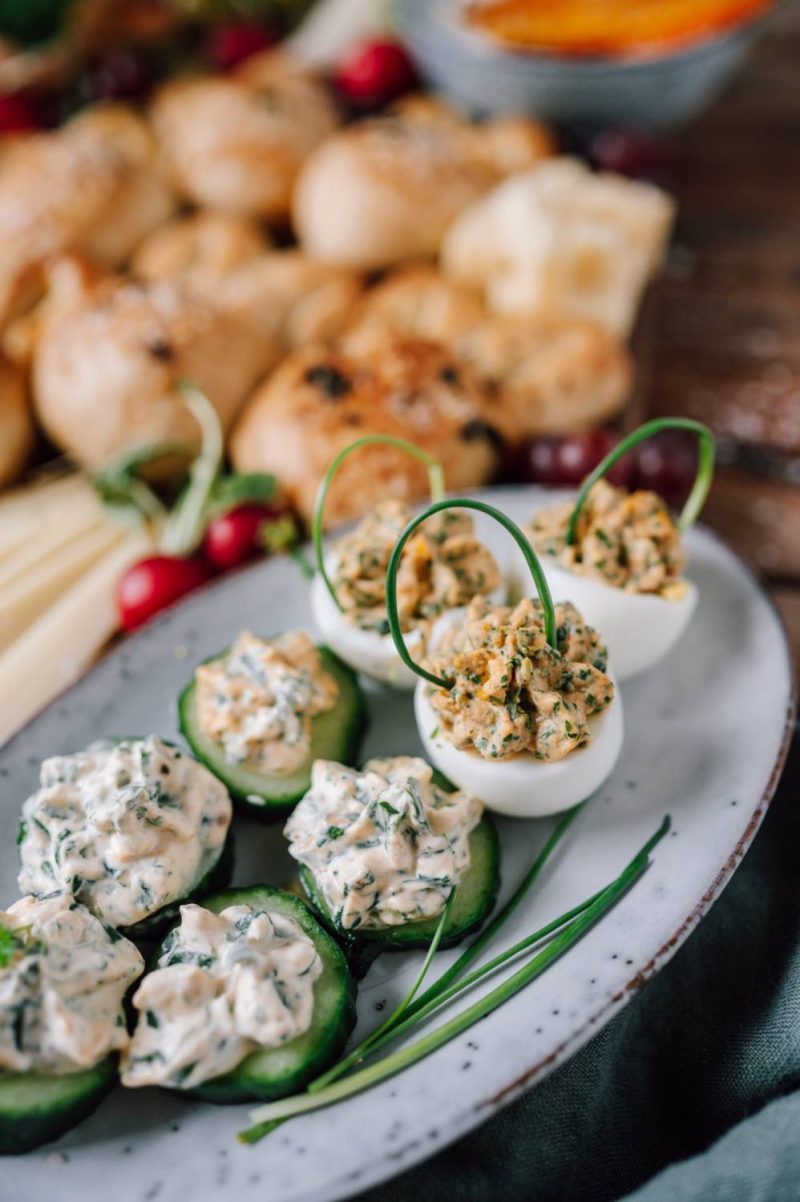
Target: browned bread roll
column 236, row 143
column 384, row 190
column 110, row 355
column 93, row 186
column 319, row 401
column 16, row 423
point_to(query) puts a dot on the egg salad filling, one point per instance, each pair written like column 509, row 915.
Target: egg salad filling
column 627, row 540
column 385, row 845
column 443, row 565
column 226, row 984
column 257, row 701
column 63, row 975
column 511, row 691
column 126, row 827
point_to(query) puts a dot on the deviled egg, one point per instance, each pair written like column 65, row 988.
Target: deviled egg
column 443, row 568
column 515, row 704
column 620, row 556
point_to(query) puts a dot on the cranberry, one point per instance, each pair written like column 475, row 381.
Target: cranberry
column 568, row 460
column 122, row 75
column 375, row 73
column 155, row 583
column 229, row 44
column 630, row 152
column 17, row 115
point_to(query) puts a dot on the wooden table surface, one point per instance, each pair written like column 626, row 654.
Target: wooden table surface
column 726, row 314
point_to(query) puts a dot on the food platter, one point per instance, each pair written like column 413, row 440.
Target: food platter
column 705, row 735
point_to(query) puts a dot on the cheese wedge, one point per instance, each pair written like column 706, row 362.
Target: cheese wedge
column 57, row 648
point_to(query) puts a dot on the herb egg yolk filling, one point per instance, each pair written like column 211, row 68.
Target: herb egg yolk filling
column 443, row 566
column 511, row 691
column 627, row 540
column 385, row 845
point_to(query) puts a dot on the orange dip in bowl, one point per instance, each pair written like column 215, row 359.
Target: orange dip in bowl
column 608, row 27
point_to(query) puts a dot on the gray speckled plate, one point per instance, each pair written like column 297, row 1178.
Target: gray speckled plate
column 705, row 738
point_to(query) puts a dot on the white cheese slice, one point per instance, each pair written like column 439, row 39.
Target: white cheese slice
column 27, row 596
column 62, row 644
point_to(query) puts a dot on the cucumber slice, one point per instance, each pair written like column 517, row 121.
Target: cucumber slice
column 474, row 899
column 35, row 1109
column 272, row 1073
column 215, row 875
column 335, row 735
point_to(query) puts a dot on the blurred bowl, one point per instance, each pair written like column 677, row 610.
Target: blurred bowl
column 656, row 91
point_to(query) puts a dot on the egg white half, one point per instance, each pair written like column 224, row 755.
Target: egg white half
column 639, row 629
column 365, row 650
column 523, row 786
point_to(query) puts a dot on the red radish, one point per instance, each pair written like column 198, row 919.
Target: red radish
column 155, row 583
column 233, row 537
column 375, row 73
column 230, row 44
column 16, row 115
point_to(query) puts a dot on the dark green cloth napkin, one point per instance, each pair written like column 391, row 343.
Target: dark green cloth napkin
column 701, row 1072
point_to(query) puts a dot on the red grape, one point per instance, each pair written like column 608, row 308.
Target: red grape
column 568, row 460
column 229, row 44
column 233, row 537
column 155, row 583
column 667, row 464
column 16, row 115
column 375, row 73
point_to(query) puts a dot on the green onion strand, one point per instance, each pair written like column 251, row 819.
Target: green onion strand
column 705, row 468
column 530, row 556
column 435, row 477
column 264, row 1117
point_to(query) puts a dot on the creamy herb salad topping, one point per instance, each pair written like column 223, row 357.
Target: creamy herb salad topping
column 386, row 846
column 126, row 827
column 627, row 540
column 257, row 701
column 63, row 975
column 443, row 565
column 225, row 985
column 511, row 691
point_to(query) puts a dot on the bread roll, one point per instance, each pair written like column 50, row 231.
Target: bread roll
column 383, row 191
column 319, row 401
column 563, row 241
column 17, row 433
column 235, row 143
column 110, row 356
column 92, row 186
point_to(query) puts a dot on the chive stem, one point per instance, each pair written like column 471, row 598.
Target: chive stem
column 435, row 477
column 265, row 1116
column 405, row 1057
column 530, row 556
column 366, row 1046
column 700, row 488
column 488, row 933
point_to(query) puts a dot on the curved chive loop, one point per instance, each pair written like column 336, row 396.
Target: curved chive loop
column 513, row 529
column 435, row 476
column 702, row 483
